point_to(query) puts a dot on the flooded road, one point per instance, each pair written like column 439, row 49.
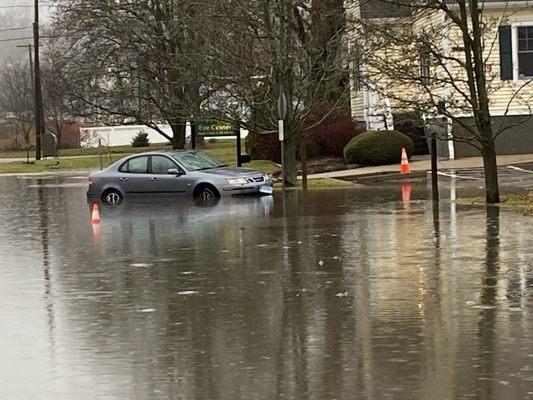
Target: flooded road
column 338, row 294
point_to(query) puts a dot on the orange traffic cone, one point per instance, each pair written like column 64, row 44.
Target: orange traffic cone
column 405, row 169
column 95, row 217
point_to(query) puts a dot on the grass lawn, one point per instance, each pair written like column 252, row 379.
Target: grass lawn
column 90, row 151
column 322, row 183
column 61, row 165
column 223, row 150
column 521, row 201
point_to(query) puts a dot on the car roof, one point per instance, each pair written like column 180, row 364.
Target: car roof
column 163, row 152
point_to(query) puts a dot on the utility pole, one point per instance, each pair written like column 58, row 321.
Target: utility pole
column 38, row 96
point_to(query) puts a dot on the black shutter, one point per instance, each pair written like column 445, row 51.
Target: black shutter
column 506, row 53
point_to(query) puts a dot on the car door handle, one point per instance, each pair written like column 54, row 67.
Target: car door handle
column 154, row 179
column 123, row 179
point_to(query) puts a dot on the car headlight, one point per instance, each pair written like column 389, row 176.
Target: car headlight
column 237, row 181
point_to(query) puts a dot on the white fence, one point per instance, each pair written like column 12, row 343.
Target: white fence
column 122, row 135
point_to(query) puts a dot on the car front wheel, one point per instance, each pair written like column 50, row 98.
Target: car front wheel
column 206, row 193
column 112, row 197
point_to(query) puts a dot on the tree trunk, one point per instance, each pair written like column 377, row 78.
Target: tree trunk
column 291, row 166
column 178, row 134
column 303, row 162
column 492, row 191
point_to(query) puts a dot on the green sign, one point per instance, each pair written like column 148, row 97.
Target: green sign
column 209, row 127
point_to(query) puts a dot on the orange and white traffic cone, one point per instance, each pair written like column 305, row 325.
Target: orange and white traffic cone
column 405, row 169
column 95, row 217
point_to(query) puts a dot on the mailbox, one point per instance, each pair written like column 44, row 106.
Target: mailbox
column 49, row 145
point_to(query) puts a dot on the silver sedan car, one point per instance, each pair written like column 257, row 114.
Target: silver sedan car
column 183, row 172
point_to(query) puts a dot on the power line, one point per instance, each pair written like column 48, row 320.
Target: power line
column 42, row 37
column 15, row 39
column 25, row 5
column 15, row 29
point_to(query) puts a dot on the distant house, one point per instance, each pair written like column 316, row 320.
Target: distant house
column 378, row 98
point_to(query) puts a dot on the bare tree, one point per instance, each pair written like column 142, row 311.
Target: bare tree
column 435, row 62
column 166, row 60
column 258, row 48
column 133, row 59
column 16, row 100
column 57, row 110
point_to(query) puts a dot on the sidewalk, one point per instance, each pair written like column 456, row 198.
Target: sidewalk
column 418, row 165
column 32, row 159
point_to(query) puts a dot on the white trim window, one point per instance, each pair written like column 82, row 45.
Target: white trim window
column 522, row 48
column 525, row 51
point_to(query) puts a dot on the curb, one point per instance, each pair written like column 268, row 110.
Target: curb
column 384, row 176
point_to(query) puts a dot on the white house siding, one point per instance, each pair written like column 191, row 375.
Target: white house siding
column 503, row 91
column 356, row 96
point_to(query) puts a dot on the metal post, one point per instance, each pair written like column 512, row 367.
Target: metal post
column 100, row 154
column 434, row 176
column 238, row 133
column 193, row 134
column 281, row 137
column 38, row 90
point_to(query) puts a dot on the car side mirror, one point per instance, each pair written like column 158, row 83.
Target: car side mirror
column 174, row 171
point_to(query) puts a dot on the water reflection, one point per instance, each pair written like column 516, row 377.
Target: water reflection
column 323, row 295
column 488, row 303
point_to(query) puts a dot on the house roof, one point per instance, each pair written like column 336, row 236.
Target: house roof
column 395, row 9
column 384, row 9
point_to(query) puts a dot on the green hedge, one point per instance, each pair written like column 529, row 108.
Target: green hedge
column 377, row 148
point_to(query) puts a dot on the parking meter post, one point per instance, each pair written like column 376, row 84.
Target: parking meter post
column 100, row 154
column 239, row 150
column 434, row 176
column 193, row 134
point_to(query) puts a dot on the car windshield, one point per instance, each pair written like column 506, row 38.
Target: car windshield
column 196, row 161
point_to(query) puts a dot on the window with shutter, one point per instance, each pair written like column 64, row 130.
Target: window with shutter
column 425, row 64
column 506, row 52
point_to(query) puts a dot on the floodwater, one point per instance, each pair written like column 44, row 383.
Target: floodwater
column 337, row 294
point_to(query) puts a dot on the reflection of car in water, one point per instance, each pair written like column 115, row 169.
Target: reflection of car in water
column 176, row 223
column 184, row 172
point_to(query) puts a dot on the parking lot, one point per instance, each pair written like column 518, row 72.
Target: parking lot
column 511, row 176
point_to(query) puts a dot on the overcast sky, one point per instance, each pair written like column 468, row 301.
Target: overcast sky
column 18, row 14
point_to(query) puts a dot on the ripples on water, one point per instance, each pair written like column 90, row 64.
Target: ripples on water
column 334, row 295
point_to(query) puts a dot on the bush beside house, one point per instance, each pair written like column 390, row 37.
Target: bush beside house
column 377, row 148
column 325, row 140
column 263, row 146
column 330, row 138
